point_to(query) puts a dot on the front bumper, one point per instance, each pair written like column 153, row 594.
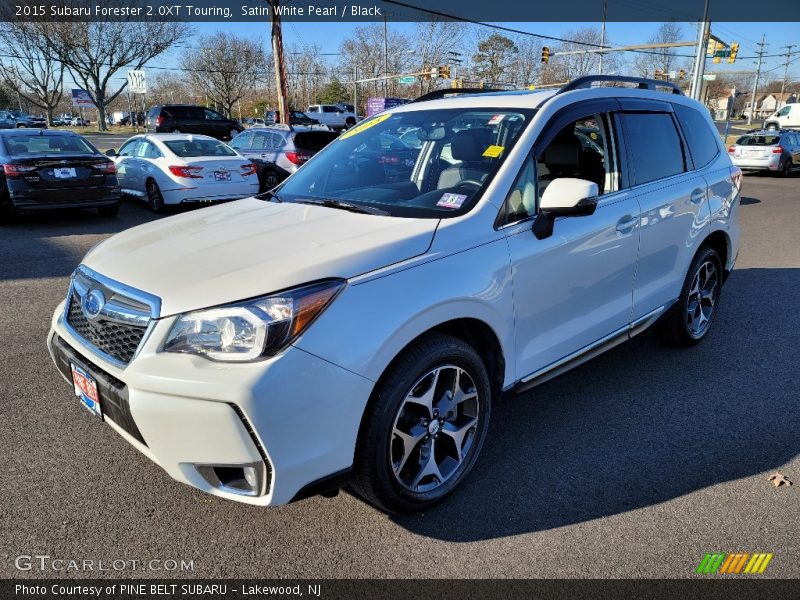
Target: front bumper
column 295, row 414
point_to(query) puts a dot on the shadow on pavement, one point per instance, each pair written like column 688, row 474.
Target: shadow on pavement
column 640, row 425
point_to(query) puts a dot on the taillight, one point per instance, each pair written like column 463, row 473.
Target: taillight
column 778, row 150
column 17, row 170
column 159, row 120
column 109, row 168
column 736, row 176
column 248, row 169
column 189, row 172
column 297, row 158
column 731, row 149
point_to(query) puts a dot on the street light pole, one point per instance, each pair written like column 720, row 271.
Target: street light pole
column 700, row 57
column 385, row 55
column 602, row 37
column 280, row 64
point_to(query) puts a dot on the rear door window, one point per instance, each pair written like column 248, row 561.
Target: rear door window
column 701, row 139
column 655, row 150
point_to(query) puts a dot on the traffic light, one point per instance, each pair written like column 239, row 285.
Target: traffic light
column 682, row 74
column 734, row 52
column 444, row 72
column 545, row 54
column 457, row 83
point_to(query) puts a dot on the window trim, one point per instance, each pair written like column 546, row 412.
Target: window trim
column 695, row 166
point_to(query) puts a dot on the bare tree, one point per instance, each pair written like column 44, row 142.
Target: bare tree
column 663, row 59
column 525, row 69
column 225, row 67
column 571, row 66
column 306, row 72
column 435, row 40
column 95, row 52
column 31, row 71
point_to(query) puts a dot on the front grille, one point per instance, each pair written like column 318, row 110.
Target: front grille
column 115, row 339
column 110, row 317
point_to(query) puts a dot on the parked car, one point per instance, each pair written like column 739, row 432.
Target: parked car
column 279, row 151
column 79, row 122
column 7, row 120
column 126, row 120
column 777, row 151
column 332, row 115
column 296, row 117
column 253, row 122
column 25, row 120
column 185, row 118
column 167, row 169
column 784, row 118
column 348, row 329
column 47, row 169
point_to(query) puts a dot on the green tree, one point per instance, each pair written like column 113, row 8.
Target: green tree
column 332, row 92
column 495, row 57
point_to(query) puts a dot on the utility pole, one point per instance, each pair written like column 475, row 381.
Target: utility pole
column 280, row 63
column 602, row 36
column 700, row 58
column 385, row 54
column 785, row 72
column 760, row 53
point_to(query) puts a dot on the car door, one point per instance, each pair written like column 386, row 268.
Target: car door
column 573, row 288
column 673, row 198
column 216, row 125
column 147, row 154
column 128, row 171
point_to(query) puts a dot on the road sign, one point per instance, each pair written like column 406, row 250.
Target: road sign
column 137, row 82
column 673, row 74
column 709, row 76
column 407, row 79
column 81, row 98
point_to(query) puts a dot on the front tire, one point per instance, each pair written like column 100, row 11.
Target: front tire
column 691, row 318
column 425, row 426
column 154, row 197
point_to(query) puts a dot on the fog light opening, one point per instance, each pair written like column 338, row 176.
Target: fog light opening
column 247, row 479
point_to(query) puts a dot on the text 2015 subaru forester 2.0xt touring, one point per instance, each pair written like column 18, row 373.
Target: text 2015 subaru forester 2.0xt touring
column 354, row 326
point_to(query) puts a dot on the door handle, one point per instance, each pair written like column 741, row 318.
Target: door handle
column 626, row 224
column 698, row 196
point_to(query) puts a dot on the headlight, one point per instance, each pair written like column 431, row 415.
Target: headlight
column 249, row 330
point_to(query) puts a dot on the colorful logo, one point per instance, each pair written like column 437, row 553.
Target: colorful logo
column 740, row 562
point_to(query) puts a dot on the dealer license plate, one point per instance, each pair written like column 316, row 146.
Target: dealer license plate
column 86, row 390
column 64, row 173
column 222, row 175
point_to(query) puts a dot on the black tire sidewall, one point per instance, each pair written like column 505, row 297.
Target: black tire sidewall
column 705, row 254
column 156, row 207
column 438, row 350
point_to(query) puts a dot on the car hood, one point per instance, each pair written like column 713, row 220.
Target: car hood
column 252, row 247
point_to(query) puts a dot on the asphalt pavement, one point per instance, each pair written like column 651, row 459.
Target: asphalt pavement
column 633, row 465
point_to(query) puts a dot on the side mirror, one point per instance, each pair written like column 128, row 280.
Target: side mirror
column 111, row 152
column 564, row 197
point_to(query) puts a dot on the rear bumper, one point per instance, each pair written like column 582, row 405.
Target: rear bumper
column 199, row 195
column 770, row 163
column 26, row 199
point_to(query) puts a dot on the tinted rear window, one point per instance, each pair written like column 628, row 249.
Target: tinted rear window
column 701, row 139
column 314, row 140
column 20, row 145
column 199, row 147
column 654, row 146
column 758, row 140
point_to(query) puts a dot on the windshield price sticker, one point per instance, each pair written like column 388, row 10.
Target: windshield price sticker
column 495, row 119
column 366, row 125
column 493, row 151
column 451, row 200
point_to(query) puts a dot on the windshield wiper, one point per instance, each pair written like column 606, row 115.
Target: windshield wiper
column 269, row 195
column 333, row 203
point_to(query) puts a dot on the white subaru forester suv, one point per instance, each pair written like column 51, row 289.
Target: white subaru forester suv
column 353, row 326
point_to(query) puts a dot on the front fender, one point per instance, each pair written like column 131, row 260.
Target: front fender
column 371, row 322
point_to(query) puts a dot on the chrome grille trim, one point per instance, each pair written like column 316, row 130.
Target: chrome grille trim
column 124, row 323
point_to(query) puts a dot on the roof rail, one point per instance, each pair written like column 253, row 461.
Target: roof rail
column 437, row 94
column 642, row 82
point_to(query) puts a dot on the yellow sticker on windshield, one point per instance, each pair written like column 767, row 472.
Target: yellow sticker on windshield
column 593, row 135
column 493, row 151
column 365, row 125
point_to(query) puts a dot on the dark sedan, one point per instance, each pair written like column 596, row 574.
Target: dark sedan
column 296, row 117
column 47, row 169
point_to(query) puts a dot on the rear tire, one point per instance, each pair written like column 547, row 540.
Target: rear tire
column 154, row 197
column 424, row 427
column 270, row 180
column 109, row 211
column 690, row 320
column 785, row 169
column 233, row 133
column 349, row 122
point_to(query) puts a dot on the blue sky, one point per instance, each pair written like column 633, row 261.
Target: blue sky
column 330, row 35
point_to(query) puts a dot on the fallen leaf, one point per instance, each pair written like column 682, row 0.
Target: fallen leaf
column 778, row 479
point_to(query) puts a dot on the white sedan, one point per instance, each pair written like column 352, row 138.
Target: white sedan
column 176, row 168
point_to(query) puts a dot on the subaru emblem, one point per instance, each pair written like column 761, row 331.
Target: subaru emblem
column 92, row 304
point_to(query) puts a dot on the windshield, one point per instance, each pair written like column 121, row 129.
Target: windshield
column 20, row 145
column 425, row 163
column 198, row 147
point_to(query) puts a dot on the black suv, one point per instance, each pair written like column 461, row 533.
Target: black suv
column 186, row 118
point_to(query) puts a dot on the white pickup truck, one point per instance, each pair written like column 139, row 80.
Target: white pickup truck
column 332, row 115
